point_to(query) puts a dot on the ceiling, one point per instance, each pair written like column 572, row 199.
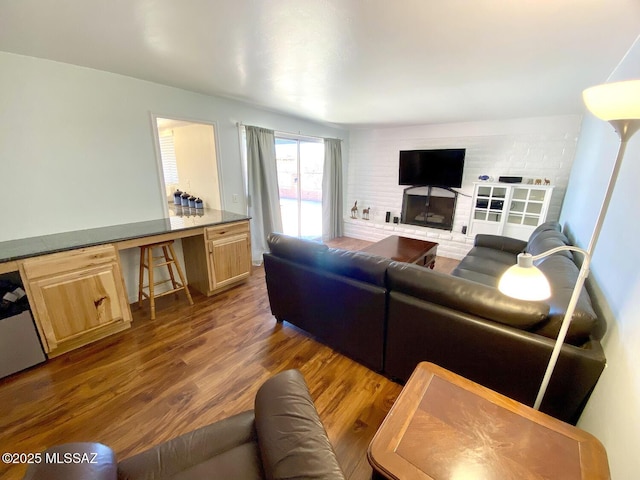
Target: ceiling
column 349, row 62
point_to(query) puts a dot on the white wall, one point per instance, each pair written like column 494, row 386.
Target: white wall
column 531, row 147
column 77, row 149
column 613, row 412
column 197, row 163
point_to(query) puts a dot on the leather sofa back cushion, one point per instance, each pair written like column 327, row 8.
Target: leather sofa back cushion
column 295, row 249
column 497, row 242
column 464, row 295
column 550, row 226
column 562, row 274
column 357, row 265
column 545, row 241
column 293, row 442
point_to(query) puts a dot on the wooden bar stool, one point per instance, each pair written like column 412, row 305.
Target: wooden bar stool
column 148, row 261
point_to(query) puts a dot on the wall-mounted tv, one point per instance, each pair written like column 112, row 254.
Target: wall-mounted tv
column 437, row 168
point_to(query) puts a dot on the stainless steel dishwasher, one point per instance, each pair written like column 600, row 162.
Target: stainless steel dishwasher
column 20, row 345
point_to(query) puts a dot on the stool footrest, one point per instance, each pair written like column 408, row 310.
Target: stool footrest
column 156, row 295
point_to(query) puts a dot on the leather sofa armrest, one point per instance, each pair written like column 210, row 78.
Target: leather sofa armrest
column 182, row 453
column 71, row 461
column 498, row 242
column 293, row 442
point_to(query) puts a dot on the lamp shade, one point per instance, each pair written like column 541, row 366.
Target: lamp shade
column 524, row 281
column 614, row 101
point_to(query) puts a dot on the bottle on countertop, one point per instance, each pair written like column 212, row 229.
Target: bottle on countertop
column 184, row 199
column 177, row 200
column 192, row 201
column 199, row 204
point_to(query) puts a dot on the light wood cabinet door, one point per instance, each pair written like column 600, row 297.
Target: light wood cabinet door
column 229, row 260
column 77, row 297
column 219, row 259
column 228, row 254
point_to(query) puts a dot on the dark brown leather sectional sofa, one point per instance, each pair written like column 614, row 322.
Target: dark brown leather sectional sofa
column 391, row 315
column 282, row 438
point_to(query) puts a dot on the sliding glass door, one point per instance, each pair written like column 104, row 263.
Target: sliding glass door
column 300, row 162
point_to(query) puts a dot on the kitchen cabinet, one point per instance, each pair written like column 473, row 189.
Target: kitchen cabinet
column 218, row 259
column 77, row 297
column 512, row 210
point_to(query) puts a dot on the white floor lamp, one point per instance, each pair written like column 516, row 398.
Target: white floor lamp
column 619, row 104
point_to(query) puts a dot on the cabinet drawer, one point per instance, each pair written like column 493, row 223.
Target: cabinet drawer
column 213, row 233
column 66, row 261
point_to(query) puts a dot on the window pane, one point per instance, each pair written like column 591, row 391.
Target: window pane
column 287, row 167
column 300, row 164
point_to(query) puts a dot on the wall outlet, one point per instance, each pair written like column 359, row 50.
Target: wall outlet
column 234, row 198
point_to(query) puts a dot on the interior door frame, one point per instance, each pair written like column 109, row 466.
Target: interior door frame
column 153, row 117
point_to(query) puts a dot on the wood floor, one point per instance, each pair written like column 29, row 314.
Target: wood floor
column 191, row 366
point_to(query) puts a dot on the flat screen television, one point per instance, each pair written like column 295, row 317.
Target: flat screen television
column 436, row 168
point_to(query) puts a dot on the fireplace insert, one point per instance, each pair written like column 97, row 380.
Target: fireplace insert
column 429, row 207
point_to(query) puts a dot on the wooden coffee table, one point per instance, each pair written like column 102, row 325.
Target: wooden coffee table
column 443, row 426
column 403, row 249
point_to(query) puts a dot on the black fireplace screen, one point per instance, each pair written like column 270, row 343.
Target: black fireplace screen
column 429, row 207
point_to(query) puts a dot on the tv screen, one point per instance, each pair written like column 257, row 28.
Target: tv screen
column 436, row 168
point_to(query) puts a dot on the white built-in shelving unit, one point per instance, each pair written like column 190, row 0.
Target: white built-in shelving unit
column 513, row 210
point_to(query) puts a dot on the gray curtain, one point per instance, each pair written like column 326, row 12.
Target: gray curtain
column 332, row 190
column 264, row 200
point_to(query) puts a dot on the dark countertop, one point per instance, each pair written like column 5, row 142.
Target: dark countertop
column 179, row 219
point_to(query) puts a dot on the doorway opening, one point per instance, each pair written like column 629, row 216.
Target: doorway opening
column 300, row 161
column 188, row 161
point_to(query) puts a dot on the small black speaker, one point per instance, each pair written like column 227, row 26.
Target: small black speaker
column 510, row 179
column 387, row 217
column 396, row 219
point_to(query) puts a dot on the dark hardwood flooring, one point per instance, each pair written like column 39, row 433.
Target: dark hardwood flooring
column 191, row 366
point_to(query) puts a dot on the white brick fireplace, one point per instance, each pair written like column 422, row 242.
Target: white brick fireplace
column 532, row 148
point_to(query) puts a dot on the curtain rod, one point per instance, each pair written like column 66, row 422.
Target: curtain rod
column 299, row 134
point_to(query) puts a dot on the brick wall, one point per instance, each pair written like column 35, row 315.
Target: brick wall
column 532, row 148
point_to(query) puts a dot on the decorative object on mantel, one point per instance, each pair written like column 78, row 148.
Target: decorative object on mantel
column 547, row 181
column 485, row 178
column 365, row 213
column 354, row 210
column 619, row 104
